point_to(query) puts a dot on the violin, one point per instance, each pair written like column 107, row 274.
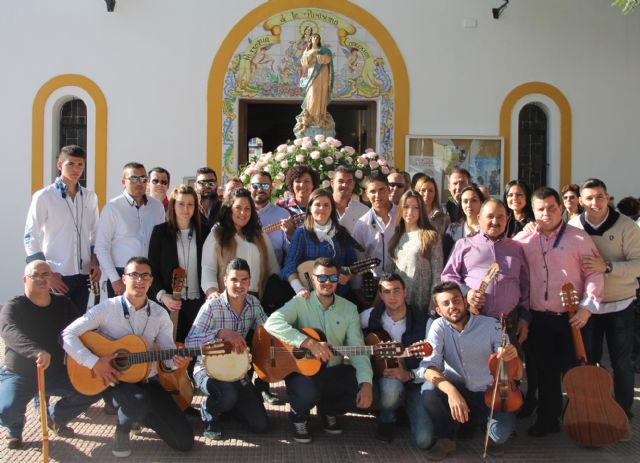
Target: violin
column 591, row 418
column 503, row 395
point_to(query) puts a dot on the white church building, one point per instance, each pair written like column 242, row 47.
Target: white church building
column 543, row 90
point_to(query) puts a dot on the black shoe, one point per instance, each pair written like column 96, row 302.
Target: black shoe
column 301, row 432
column 60, row 431
column 121, row 444
column 331, row 425
column 385, row 432
column 540, row 429
column 13, row 442
column 190, row 411
column 270, row 398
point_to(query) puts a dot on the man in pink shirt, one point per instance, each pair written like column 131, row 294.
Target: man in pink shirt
column 554, row 252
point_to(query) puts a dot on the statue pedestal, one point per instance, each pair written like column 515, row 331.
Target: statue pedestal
column 324, row 125
column 315, row 130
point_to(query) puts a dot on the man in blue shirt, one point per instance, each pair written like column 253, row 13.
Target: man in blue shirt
column 457, row 373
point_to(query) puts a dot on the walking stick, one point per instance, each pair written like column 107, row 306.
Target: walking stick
column 43, row 416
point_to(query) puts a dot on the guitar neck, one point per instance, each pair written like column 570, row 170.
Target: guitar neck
column 166, row 354
column 483, row 287
column 354, row 350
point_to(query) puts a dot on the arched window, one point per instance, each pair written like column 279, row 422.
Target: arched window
column 532, row 146
column 255, row 148
column 73, row 129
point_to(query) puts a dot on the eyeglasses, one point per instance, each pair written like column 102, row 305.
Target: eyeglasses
column 333, row 278
column 260, row 186
column 40, row 276
column 138, row 178
column 570, row 198
column 155, row 181
column 396, row 185
column 139, row 276
column 207, row 182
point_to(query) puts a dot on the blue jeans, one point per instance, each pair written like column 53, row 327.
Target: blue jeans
column 16, row 391
column 241, row 398
column 392, row 394
column 618, row 329
column 437, row 405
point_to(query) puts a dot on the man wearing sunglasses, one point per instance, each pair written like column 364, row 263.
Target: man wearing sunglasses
column 397, row 186
column 145, row 402
column 125, row 226
column 206, row 185
column 338, row 388
column 158, row 185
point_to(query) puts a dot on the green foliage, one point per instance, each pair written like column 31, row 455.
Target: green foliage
column 626, row 5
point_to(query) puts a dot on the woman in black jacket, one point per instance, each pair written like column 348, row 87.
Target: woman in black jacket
column 178, row 243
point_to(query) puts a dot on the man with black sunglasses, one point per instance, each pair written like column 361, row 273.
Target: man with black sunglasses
column 338, row 388
column 206, row 186
column 158, row 185
column 397, row 187
column 125, row 226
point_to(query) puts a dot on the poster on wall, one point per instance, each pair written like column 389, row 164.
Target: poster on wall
column 436, row 156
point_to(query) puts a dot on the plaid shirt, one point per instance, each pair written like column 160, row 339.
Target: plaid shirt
column 216, row 315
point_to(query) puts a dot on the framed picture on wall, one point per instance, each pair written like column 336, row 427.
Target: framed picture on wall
column 436, row 156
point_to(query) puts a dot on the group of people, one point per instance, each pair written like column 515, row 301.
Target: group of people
column 240, row 259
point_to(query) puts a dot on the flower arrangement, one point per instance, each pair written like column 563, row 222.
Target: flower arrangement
column 324, row 154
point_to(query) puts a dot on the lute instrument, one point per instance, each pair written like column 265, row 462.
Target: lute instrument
column 178, row 280
column 591, row 417
column 492, row 272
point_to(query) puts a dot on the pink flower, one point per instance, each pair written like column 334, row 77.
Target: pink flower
column 291, row 148
column 297, row 142
column 348, row 160
column 300, row 158
column 349, row 150
column 279, row 157
column 284, row 164
column 280, row 176
column 319, row 138
column 373, row 164
column 328, row 160
column 362, row 160
column 266, row 157
column 385, row 170
column 324, row 145
column 281, row 148
column 331, row 173
column 372, row 154
column 315, row 155
column 259, row 165
column 305, row 139
column 326, row 184
column 334, row 142
column 358, row 174
column 267, row 168
column 382, row 161
column 250, row 171
column 369, row 150
column 337, row 155
column 307, row 144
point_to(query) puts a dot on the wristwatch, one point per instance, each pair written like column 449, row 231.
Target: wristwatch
column 609, row 268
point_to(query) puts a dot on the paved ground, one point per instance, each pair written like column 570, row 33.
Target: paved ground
column 94, row 431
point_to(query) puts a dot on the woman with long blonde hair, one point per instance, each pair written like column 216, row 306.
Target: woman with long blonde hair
column 416, row 251
column 428, row 189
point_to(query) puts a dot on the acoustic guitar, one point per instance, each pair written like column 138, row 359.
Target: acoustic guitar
column 178, row 280
column 591, row 417
column 305, row 269
column 296, row 221
column 132, row 360
column 419, row 349
column 273, row 360
column 492, row 272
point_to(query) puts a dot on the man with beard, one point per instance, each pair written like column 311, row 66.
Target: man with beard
column 349, row 209
column 206, row 186
column 457, row 373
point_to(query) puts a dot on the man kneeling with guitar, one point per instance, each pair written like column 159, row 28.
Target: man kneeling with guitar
column 146, row 401
column 229, row 317
column 396, row 384
column 338, row 388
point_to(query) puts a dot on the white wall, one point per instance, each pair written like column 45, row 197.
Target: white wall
column 151, row 58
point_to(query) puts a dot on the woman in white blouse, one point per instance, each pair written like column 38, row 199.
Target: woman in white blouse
column 237, row 233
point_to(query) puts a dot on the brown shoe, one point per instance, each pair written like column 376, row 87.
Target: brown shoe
column 441, row 449
column 13, row 442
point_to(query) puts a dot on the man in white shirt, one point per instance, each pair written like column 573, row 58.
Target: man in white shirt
column 349, row 210
column 61, row 229
column 125, row 226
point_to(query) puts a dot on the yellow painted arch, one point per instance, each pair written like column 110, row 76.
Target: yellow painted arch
column 248, row 23
column 37, row 130
column 565, row 124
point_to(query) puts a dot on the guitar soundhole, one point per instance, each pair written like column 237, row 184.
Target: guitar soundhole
column 121, row 362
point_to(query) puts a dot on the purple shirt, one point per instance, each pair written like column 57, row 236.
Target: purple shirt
column 468, row 265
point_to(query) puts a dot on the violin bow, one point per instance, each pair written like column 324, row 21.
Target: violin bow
column 495, row 390
column 43, row 415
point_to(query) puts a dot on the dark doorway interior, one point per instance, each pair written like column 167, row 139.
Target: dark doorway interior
column 73, row 129
column 532, row 146
column 273, row 121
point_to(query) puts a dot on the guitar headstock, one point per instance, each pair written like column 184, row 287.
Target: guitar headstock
column 298, row 219
column 492, row 272
column 363, row 265
column 388, row 349
column 217, row 348
column 569, row 297
column 178, row 277
column 420, row 349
